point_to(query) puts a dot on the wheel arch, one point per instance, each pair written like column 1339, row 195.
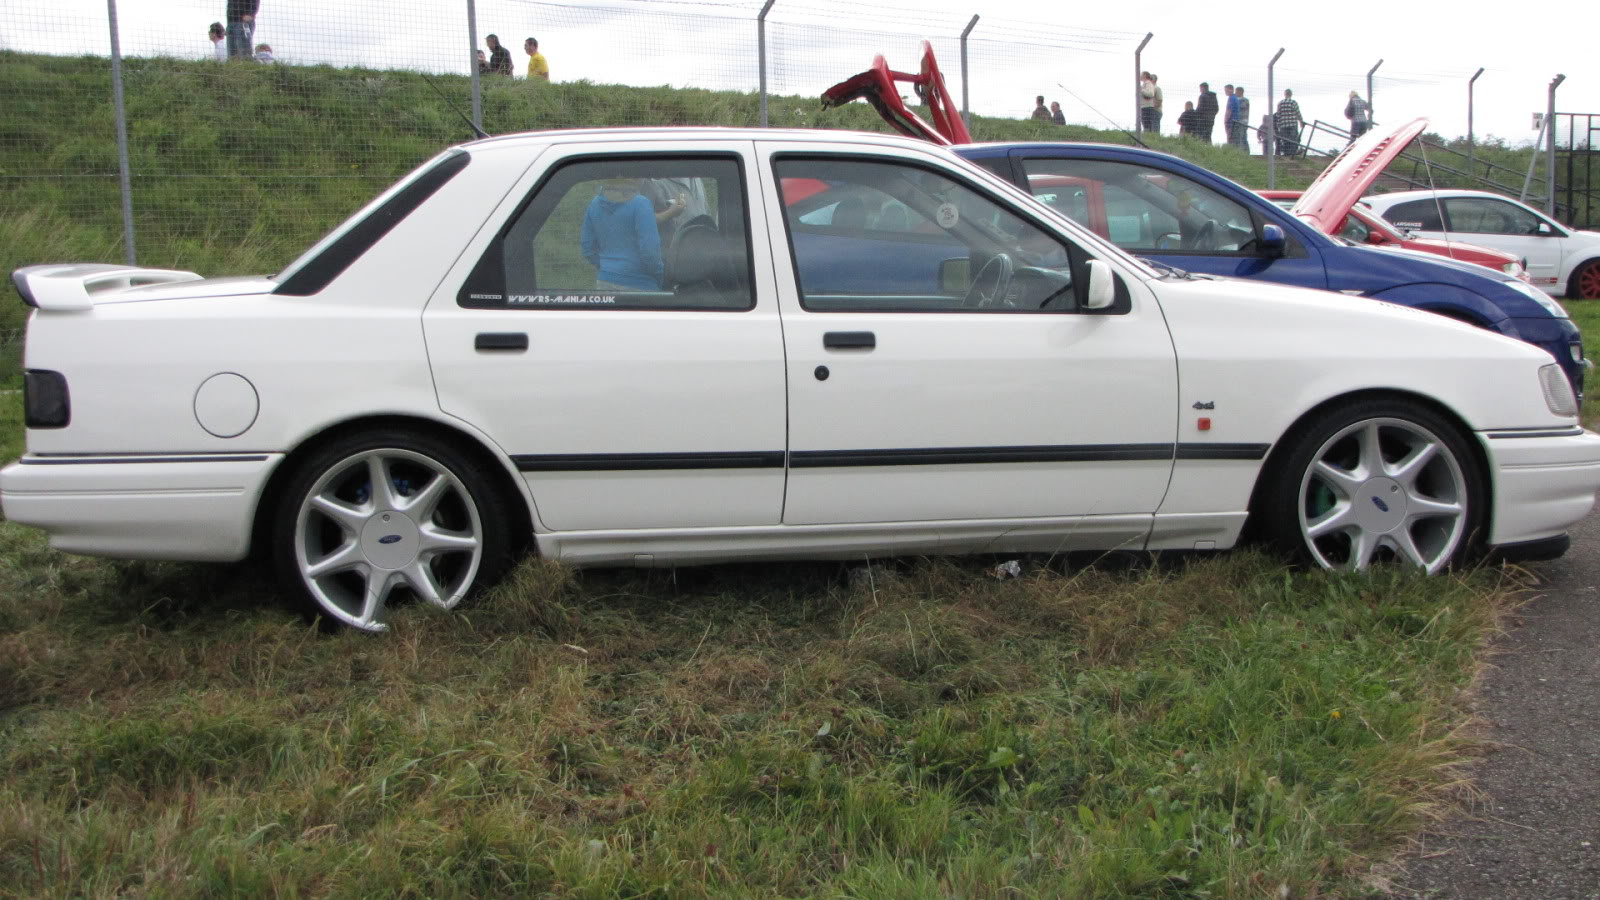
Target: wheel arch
column 1578, row 268
column 501, row 468
column 1306, row 420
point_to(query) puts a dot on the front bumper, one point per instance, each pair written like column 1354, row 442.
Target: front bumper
column 155, row 506
column 1544, row 481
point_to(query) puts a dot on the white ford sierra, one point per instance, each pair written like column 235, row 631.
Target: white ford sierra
column 656, row 347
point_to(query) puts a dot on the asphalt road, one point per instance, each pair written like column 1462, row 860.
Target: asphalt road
column 1535, row 833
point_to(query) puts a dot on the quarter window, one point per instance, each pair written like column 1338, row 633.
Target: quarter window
column 883, row 236
column 1418, row 215
column 623, row 233
column 1144, row 209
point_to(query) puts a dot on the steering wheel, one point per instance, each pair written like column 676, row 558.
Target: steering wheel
column 999, row 269
column 1206, row 237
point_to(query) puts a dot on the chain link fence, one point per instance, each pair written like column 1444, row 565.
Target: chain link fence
column 238, row 158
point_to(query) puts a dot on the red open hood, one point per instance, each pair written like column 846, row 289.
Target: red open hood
column 876, row 86
column 1347, row 178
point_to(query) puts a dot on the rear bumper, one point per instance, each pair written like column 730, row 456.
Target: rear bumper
column 158, row 506
column 1544, row 481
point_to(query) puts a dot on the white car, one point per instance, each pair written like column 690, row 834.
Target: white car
column 1560, row 260
column 655, row 347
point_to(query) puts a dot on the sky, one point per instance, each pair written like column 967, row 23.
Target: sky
column 1080, row 54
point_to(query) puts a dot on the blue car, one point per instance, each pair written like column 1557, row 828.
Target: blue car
column 1174, row 212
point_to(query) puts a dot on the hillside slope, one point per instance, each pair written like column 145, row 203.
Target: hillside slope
column 239, row 168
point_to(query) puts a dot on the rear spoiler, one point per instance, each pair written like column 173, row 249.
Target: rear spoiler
column 74, row 286
column 876, row 86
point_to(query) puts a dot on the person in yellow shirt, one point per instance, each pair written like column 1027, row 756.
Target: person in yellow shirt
column 537, row 67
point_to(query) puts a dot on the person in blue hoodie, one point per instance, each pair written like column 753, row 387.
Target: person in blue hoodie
column 620, row 239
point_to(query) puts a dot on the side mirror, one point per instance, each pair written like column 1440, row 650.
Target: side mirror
column 955, row 276
column 1272, row 240
column 1102, row 286
column 1545, row 230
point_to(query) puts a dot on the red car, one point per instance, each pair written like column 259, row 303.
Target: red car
column 1362, row 226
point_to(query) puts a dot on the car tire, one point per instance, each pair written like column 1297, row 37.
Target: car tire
column 1585, row 282
column 1375, row 480
column 370, row 521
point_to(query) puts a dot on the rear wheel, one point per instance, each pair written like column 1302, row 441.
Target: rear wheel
column 1585, row 283
column 370, row 522
column 1376, row 481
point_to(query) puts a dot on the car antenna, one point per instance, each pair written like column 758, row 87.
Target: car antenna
column 1438, row 205
column 1131, row 136
column 470, row 124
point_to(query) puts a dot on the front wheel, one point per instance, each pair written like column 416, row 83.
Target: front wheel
column 1376, row 481
column 373, row 521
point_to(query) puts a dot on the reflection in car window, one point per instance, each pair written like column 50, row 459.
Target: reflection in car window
column 1146, row 209
column 1354, row 230
column 886, row 236
column 1418, row 215
column 1482, row 215
column 623, row 234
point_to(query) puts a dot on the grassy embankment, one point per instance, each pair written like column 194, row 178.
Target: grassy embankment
column 1224, row 728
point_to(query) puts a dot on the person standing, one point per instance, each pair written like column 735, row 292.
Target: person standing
column 1230, row 108
column 1207, row 108
column 1287, row 123
column 1360, row 115
column 1056, row 115
column 619, row 238
column 1240, row 136
column 1190, row 120
column 1156, row 83
column 242, row 27
column 499, row 56
column 1147, row 103
column 1041, row 113
column 537, row 67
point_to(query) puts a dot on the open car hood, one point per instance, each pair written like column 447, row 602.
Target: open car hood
column 876, row 86
column 1346, row 179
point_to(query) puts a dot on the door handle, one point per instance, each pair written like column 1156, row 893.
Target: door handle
column 514, row 341
column 849, row 340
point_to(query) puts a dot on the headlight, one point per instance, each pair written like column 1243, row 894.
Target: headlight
column 1539, row 297
column 1557, row 391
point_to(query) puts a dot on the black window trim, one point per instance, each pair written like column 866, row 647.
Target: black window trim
column 321, row 270
column 470, row 285
column 1078, row 256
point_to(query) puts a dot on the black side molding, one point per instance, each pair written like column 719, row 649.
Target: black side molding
column 849, row 340
column 501, row 340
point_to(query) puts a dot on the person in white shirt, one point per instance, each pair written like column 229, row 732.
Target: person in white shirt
column 219, row 41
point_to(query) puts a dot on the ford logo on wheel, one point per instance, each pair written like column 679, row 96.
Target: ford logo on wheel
column 389, row 539
column 1376, row 501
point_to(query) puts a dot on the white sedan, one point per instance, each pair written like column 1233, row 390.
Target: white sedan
column 669, row 346
column 1560, row 260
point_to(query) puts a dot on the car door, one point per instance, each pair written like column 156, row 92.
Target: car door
column 1512, row 228
column 1166, row 214
column 615, row 330
column 967, row 385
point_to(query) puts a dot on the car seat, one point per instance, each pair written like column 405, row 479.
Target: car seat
column 701, row 268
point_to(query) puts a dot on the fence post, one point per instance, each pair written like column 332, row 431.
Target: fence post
column 122, row 135
column 1372, row 117
column 1138, row 76
column 1471, row 146
column 1272, row 125
column 1550, row 148
column 472, row 64
column 761, row 55
column 966, row 109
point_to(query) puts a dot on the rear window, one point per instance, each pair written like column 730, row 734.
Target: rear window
column 322, row 269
